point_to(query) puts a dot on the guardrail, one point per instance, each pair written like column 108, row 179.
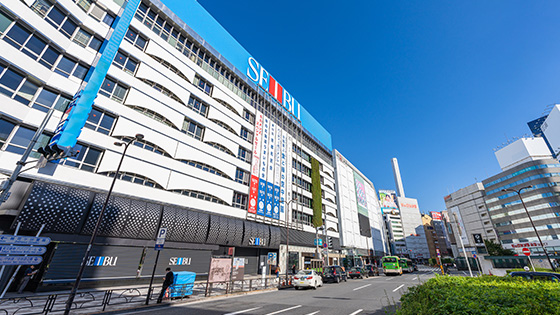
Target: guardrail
column 114, row 299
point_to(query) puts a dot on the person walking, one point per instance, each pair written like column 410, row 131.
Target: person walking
column 29, row 273
column 294, row 269
column 168, row 281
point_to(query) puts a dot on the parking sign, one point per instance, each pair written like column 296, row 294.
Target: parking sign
column 160, row 240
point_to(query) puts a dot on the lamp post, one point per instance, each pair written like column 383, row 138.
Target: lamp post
column 96, row 229
column 288, row 236
column 518, row 192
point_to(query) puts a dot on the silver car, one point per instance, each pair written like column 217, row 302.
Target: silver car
column 307, row 278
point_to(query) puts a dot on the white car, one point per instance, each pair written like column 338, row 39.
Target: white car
column 307, row 278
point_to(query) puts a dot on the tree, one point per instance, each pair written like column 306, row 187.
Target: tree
column 495, row 249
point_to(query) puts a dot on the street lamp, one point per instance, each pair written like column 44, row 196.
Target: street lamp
column 518, row 192
column 288, row 236
column 70, row 300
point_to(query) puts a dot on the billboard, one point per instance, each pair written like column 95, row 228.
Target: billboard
column 387, row 199
column 361, row 202
column 220, row 270
column 436, row 216
column 261, row 203
column 254, row 185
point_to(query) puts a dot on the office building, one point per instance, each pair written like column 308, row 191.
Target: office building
column 225, row 147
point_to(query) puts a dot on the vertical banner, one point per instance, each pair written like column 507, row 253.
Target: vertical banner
column 254, row 185
column 361, row 203
column 263, row 167
column 270, row 170
column 277, row 159
column 283, row 199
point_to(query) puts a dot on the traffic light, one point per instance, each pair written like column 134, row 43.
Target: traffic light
column 329, row 242
column 52, row 153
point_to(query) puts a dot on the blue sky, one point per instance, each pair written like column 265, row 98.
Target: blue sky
column 436, row 84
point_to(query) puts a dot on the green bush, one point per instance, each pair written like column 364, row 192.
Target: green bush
column 531, row 269
column 444, row 295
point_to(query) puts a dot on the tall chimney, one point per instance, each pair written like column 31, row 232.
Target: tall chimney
column 397, row 175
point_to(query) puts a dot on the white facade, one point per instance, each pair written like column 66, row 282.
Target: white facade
column 350, row 235
column 521, row 151
column 413, row 229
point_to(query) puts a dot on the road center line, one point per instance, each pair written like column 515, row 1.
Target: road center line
column 400, row 286
column 243, row 311
column 356, row 312
column 284, row 310
column 414, row 278
column 313, row 313
column 358, row 288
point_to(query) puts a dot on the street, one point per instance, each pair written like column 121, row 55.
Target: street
column 356, row 296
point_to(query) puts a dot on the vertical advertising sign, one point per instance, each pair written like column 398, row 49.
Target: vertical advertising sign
column 254, row 185
column 270, row 170
column 263, row 167
column 361, row 202
column 283, row 173
column 277, row 174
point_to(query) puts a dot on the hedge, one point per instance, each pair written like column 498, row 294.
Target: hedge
column 444, row 295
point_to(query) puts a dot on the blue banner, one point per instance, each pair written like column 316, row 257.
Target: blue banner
column 74, row 119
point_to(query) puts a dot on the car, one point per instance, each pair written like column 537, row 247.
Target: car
column 307, row 279
column 357, row 272
column 372, row 270
column 532, row 275
column 334, row 274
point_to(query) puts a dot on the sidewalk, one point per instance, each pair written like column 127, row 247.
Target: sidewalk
column 120, row 298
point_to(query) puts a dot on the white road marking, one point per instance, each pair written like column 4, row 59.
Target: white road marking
column 358, row 288
column 464, row 273
column 356, row 312
column 284, row 310
column 243, row 311
column 400, row 286
column 414, row 278
column 313, row 313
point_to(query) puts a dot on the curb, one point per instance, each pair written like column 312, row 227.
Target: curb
column 185, row 302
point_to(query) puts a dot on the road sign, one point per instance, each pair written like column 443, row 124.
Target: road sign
column 318, row 241
column 22, row 250
column 272, row 258
column 24, row 240
column 160, row 240
column 526, row 251
column 20, row 260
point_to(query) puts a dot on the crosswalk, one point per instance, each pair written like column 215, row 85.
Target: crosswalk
column 286, row 310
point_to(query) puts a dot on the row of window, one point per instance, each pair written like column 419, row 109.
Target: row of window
column 240, row 200
column 242, row 176
column 300, row 217
column 300, row 167
column 146, row 145
column 521, row 181
column 97, row 12
column 206, row 168
column 530, row 229
column 525, row 199
column 134, row 178
column 304, row 155
column 527, row 169
column 301, row 182
column 534, row 218
column 303, row 200
column 531, row 208
column 162, row 89
column 200, row 195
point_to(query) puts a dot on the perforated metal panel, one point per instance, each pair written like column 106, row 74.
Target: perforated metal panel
column 142, row 220
column 60, row 208
column 114, row 217
column 275, row 237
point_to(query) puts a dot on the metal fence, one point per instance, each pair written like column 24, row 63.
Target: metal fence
column 121, row 298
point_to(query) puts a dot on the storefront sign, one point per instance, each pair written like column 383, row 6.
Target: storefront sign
column 102, row 261
column 257, row 241
column 180, row 261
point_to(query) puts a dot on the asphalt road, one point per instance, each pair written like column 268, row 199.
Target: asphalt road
column 356, row 296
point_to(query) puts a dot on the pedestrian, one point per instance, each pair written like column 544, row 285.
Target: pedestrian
column 277, row 271
column 28, row 275
column 294, row 269
column 168, row 280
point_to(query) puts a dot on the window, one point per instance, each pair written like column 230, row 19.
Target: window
column 125, row 63
column 47, row 98
column 200, row 195
column 246, row 134
column 301, row 182
column 171, row 67
column 134, row 178
column 203, row 85
column 220, row 147
column 100, row 121
column 223, row 125
column 87, row 158
column 248, row 116
column 242, row 177
column 244, row 155
column 17, row 86
column 300, row 167
column 240, row 200
column 136, row 39
column 298, row 216
column 146, row 145
column 193, row 129
column 84, row 4
column 153, row 115
column 113, row 90
column 303, row 200
column 162, row 89
column 6, row 128
column 205, row 167
column 67, row 67
column 198, row 106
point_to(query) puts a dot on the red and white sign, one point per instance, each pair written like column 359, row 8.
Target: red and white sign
column 527, row 251
column 436, row 216
column 254, row 186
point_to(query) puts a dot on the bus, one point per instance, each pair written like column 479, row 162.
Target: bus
column 406, row 265
column 391, row 265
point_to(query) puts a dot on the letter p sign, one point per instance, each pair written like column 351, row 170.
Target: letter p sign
column 160, row 240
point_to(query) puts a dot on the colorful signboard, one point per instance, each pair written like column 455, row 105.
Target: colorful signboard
column 436, row 216
column 277, row 174
column 261, row 203
column 270, row 170
column 254, row 185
